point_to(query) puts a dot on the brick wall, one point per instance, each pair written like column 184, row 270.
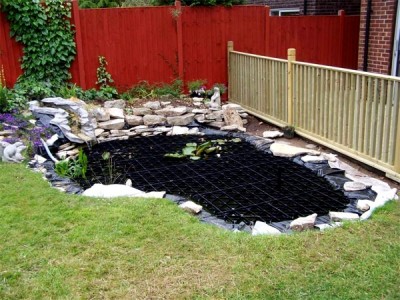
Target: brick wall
column 383, row 19
column 314, row 7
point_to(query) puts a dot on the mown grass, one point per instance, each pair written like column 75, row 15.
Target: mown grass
column 60, row 246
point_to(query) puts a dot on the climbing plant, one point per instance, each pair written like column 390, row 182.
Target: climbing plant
column 47, row 35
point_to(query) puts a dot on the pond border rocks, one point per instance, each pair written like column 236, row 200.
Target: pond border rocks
column 361, row 202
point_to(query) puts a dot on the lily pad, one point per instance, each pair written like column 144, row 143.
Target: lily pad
column 195, row 157
column 174, row 155
column 236, row 140
column 189, row 150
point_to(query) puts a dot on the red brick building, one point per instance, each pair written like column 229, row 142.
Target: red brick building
column 380, row 37
column 310, row 7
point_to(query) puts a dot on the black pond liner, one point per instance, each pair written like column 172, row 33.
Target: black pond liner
column 244, row 185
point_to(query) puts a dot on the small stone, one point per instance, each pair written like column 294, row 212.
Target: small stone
column 193, row 130
column 352, row 186
column 134, row 120
column 197, row 103
column 330, row 157
column 197, row 99
column 200, row 118
column 303, row 223
column 181, row 120
column 200, row 111
column 165, row 103
column 172, row 112
column 100, row 114
column 141, row 111
column 191, row 207
column 232, row 105
column 244, row 115
column 6, row 132
column 112, row 124
column 217, row 124
column 63, row 146
column 342, row 216
column 178, row 130
column 313, row 158
column 39, row 159
column 162, row 129
column 364, row 205
column 271, row 134
column 120, row 103
column 152, row 105
column 98, row 131
column 116, row 113
column 311, row 146
column 261, row 228
column 230, row 128
column 283, row 150
column 128, row 183
column 150, row 120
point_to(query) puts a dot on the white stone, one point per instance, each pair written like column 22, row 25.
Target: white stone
column 128, row 183
column 193, row 130
column 120, row 103
column 336, row 216
column 232, row 105
column 165, row 103
column 197, row 99
column 365, row 205
column 214, row 115
column 261, row 228
column 150, row 120
column 112, row 124
column 352, row 186
column 39, row 159
column 191, row 207
column 217, row 124
column 311, row 146
column 162, row 129
column 303, row 223
column 323, row 227
column 230, row 127
column 152, row 105
column 181, row 120
column 179, row 130
column 117, row 190
column 116, row 113
column 330, row 157
column 172, row 112
column 384, row 195
column 52, row 140
column 313, row 158
column 200, row 111
column 283, row 150
column 271, row 134
column 98, row 131
column 197, row 103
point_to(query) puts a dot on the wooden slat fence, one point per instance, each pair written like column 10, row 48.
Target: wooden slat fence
column 159, row 44
column 355, row 113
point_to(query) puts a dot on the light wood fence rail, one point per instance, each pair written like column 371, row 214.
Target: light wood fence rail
column 352, row 112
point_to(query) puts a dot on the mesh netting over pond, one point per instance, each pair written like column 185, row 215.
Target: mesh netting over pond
column 243, row 184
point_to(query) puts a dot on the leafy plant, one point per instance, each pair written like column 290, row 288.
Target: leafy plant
column 222, row 87
column 145, row 90
column 104, row 78
column 194, row 151
column 47, row 35
column 99, row 3
column 196, row 85
column 110, row 166
column 73, row 168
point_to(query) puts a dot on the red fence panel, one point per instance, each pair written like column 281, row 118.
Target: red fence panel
column 206, row 31
column 10, row 53
column 159, row 44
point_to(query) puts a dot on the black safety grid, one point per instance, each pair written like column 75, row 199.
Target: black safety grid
column 244, row 184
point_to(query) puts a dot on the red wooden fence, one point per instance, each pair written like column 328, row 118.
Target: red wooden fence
column 159, row 44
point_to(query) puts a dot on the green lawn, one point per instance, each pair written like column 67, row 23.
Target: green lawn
column 56, row 246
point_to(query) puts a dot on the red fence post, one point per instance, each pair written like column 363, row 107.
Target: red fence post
column 341, row 15
column 267, row 29
column 178, row 7
column 79, row 46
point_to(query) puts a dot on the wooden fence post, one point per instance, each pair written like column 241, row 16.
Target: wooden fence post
column 79, row 46
column 341, row 46
column 397, row 144
column 267, row 30
column 179, row 31
column 230, row 48
column 291, row 59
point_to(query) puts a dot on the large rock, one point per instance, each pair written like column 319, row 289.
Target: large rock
column 261, row 228
column 181, row 120
column 120, row 103
column 352, row 186
column 116, row 113
column 232, row 105
column 118, row 190
column 134, row 120
column 141, row 111
column 112, row 124
column 152, row 105
column 150, row 120
column 271, row 134
column 303, row 223
column 284, row 150
column 100, row 114
column 231, row 117
column 172, row 111
column 179, row 130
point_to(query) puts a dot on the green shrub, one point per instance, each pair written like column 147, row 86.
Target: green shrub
column 73, row 168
